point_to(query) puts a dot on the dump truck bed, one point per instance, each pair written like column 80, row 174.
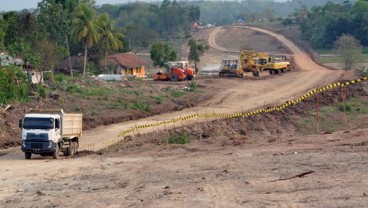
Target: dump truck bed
column 71, row 125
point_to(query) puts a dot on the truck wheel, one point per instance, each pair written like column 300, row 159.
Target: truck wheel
column 70, row 148
column 189, row 77
column 55, row 155
column 75, row 147
column 282, row 70
column 174, row 77
column 28, row 155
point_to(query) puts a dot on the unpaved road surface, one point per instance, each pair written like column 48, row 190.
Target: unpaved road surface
column 294, row 171
column 310, row 171
column 235, row 95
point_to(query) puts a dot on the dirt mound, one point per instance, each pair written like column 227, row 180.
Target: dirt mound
column 260, row 128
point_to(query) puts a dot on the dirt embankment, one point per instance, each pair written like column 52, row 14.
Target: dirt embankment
column 262, row 161
column 105, row 109
column 267, row 127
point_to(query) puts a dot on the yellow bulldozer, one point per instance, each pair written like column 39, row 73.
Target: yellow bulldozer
column 255, row 63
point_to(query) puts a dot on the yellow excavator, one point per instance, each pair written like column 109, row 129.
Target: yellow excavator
column 255, row 63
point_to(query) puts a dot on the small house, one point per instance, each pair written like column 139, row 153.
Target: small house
column 76, row 62
column 126, row 64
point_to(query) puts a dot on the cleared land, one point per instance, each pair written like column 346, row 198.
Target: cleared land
column 262, row 165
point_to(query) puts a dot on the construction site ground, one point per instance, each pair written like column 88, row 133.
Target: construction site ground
column 272, row 160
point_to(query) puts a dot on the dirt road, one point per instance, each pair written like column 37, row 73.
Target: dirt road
column 310, row 171
column 235, row 95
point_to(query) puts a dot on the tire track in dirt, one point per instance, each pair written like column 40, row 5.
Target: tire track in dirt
column 235, row 94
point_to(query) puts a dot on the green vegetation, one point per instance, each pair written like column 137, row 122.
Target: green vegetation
column 162, row 52
column 139, row 105
column 158, row 99
column 336, row 19
column 349, row 49
column 14, row 85
column 192, row 85
column 332, row 117
column 196, row 49
column 179, row 139
column 177, row 93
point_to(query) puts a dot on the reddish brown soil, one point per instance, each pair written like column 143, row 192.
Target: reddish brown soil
column 262, row 161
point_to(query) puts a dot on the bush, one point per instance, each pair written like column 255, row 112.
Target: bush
column 287, row 21
column 137, row 105
column 347, row 107
column 41, row 90
column 192, row 85
column 14, row 85
column 158, row 99
column 179, row 139
column 177, row 93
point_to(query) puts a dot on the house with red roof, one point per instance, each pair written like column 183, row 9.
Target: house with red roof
column 126, row 64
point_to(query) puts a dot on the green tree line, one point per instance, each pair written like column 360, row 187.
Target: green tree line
column 57, row 28
column 323, row 25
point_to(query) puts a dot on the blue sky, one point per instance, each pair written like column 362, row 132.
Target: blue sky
column 7, row 5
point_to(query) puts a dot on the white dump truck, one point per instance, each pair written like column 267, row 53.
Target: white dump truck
column 48, row 132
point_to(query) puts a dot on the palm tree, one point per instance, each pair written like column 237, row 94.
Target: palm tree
column 109, row 39
column 84, row 28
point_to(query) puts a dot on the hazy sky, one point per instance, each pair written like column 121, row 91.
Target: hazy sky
column 6, row 5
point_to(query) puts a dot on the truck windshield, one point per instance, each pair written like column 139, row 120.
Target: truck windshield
column 38, row 123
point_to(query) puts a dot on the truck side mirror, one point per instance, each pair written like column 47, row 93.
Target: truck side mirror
column 57, row 123
column 20, row 123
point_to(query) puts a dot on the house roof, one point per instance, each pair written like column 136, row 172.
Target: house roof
column 77, row 61
column 126, row 60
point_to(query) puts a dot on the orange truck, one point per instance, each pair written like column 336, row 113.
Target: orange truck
column 176, row 71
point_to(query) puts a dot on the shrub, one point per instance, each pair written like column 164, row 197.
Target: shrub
column 192, row 85
column 137, row 105
column 179, row 139
column 177, row 93
column 158, row 99
column 41, row 90
column 347, row 107
column 14, row 85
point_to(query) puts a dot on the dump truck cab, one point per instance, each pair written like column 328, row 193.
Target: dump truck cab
column 48, row 132
column 41, row 133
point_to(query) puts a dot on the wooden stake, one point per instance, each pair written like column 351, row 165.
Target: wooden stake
column 182, row 125
column 343, row 97
column 277, row 126
column 137, row 129
column 317, row 111
column 174, row 124
column 294, row 100
column 264, row 115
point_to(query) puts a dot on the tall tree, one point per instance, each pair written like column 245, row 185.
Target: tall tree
column 162, row 52
column 349, row 49
column 84, row 29
column 196, row 50
column 109, row 39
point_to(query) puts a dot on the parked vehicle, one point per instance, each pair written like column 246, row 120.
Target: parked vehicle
column 255, row 63
column 49, row 131
column 176, row 71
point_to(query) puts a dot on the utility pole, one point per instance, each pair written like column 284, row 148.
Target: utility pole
column 70, row 62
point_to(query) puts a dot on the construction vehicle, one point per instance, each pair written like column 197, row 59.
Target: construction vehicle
column 255, row 63
column 176, row 71
column 229, row 67
column 50, row 131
